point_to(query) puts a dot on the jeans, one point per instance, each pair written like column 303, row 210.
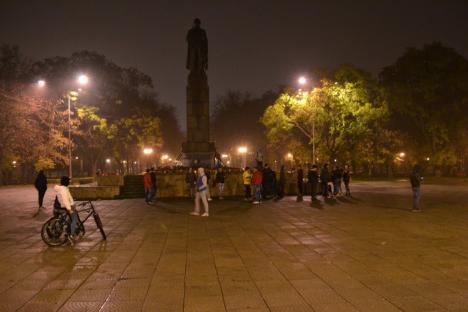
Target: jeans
column 221, row 189
column 336, row 186
column 416, row 197
column 74, row 222
column 148, row 191
column 153, row 192
column 248, row 191
column 325, row 188
column 204, row 198
column 258, row 192
column 41, row 196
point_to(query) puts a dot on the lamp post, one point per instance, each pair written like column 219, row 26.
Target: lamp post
column 147, row 151
column 243, row 151
column 82, row 80
column 302, row 81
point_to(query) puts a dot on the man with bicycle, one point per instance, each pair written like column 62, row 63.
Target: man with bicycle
column 65, row 200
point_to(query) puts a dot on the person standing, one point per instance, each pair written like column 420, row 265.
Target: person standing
column 300, row 183
column 208, row 177
column 313, row 180
column 281, row 184
column 257, row 180
column 153, row 183
column 415, row 180
column 346, row 179
column 190, row 181
column 201, row 194
column 41, row 187
column 148, row 186
column 66, row 201
column 324, row 177
column 247, row 179
column 220, row 181
column 336, row 180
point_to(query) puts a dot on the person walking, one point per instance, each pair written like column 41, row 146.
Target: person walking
column 190, row 181
column 153, row 183
column 247, row 179
column 148, row 186
column 201, row 194
column 313, row 180
column 257, row 180
column 324, row 178
column 65, row 200
column 220, row 181
column 415, row 180
column 336, row 180
column 41, row 186
column 346, row 179
column 281, row 184
column 300, row 183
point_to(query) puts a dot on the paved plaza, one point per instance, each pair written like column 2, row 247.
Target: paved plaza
column 368, row 253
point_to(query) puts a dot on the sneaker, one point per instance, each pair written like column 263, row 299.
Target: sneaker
column 256, row 202
column 205, row 214
column 416, row 210
column 194, row 213
column 71, row 240
column 210, row 199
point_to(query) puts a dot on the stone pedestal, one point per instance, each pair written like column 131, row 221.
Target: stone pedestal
column 198, row 149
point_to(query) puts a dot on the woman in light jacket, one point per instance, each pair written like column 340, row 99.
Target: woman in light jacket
column 202, row 187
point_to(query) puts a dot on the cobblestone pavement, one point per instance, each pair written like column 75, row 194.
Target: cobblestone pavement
column 369, row 253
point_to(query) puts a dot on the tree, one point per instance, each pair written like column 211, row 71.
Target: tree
column 427, row 94
column 342, row 116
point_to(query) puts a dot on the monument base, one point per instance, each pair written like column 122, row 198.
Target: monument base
column 198, row 154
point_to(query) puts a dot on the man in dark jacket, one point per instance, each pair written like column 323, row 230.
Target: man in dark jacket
column 300, row 183
column 346, row 179
column 153, row 182
column 313, row 180
column 41, row 187
column 324, row 178
column 281, row 184
column 415, row 180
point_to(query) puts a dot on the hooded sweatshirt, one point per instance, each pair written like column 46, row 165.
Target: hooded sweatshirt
column 64, row 196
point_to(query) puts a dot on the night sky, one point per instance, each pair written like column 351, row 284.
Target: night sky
column 253, row 45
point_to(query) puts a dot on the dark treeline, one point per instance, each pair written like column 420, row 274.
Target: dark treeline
column 414, row 111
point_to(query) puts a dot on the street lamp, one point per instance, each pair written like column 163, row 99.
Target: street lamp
column 243, row 151
column 41, row 83
column 83, row 79
column 302, row 80
column 147, row 151
column 402, row 154
column 290, row 156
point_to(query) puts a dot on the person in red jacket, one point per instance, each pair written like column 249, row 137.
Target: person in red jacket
column 257, row 180
column 148, row 186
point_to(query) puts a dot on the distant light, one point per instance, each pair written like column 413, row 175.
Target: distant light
column 108, row 160
column 228, row 162
column 289, row 155
column 124, row 161
column 13, row 162
column 164, row 157
column 427, row 158
column 41, row 83
column 135, row 162
column 77, row 157
column 83, row 80
column 148, row 151
column 224, row 156
column 302, row 80
column 402, row 154
column 242, row 149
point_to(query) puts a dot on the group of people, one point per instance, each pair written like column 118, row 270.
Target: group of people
column 261, row 182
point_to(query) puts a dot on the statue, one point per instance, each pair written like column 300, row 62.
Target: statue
column 197, row 54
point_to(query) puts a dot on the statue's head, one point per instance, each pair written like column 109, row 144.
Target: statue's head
column 197, row 21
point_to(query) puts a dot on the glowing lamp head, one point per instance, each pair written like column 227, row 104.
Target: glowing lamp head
column 302, row 80
column 41, row 83
column 289, row 155
column 242, row 149
column 402, row 154
column 165, row 157
column 108, row 160
column 148, row 151
column 83, row 80
column 224, row 156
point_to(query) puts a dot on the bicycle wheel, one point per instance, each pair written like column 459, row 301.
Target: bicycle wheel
column 99, row 225
column 55, row 231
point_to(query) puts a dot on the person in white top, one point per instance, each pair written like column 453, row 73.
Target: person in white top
column 202, row 186
column 66, row 201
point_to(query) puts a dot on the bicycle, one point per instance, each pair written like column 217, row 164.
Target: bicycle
column 56, row 230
